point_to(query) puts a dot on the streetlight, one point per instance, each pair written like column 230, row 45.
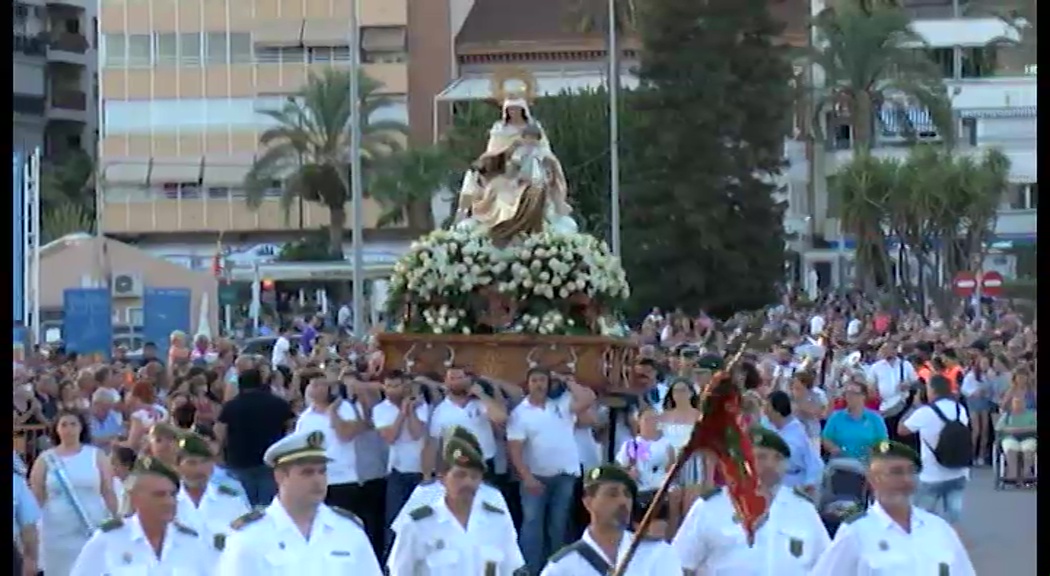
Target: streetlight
column 614, row 131
column 356, row 193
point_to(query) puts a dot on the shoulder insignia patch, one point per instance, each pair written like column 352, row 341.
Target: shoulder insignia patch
column 111, row 525
column 492, row 508
column 710, row 493
column 185, row 529
column 344, row 513
column 803, row 495
column 566, row 550
column 228, row 491
column 246, row 519
column 421, row 513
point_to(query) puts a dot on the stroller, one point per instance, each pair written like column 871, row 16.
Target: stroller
column 844, row 490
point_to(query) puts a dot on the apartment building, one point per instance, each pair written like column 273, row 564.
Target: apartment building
column 183, row 84
column 54, row 92
column 993, row 93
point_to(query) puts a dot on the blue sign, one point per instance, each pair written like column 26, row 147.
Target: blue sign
column 165, row 310
column 18, row 279
column 87, row 320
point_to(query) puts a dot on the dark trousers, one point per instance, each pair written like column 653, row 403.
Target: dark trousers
column 366, row 500
column 509, row 487
column 399, row 486
column 579, row 518
column 258, row 482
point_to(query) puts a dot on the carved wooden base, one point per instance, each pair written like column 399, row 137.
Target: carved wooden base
column 600, row 362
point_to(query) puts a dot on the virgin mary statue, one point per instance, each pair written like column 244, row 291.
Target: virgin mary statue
column 517, row 186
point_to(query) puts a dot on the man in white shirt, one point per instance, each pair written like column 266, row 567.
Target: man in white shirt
column 816, row 325
column 940, row 487
column 282, row 350
column 540, row 447
column 469, row 405
column 401, row 420
column 894, row 378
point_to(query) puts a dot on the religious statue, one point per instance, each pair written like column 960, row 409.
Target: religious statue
column 517, row 186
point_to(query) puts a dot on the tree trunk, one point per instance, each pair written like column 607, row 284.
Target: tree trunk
column 419, row 217
column 336, row 227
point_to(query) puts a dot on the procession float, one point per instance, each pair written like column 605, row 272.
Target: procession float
column 512, row 284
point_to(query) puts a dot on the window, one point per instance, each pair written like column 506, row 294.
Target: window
column 944, row 59
column 140, row 50
column 166, row 48
column 218, row 192
column 134, row 316
column 114, row 50
column 126, row 117
column 215, row 48
column 268, row 55
column 979, row 62
column 190, row 49
column 394, row 109
column 1021, row 197
column 185, row 116
column 240, row 47
column 292, row 55
column 384, row 44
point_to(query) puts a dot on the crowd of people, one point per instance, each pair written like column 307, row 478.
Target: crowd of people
column 227, row 457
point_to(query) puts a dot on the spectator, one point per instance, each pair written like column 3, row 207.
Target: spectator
column 105, row 422
column 853, row 431
column 647, row 458
column 1017, row 428
column 282, row 350
column 25, row 518
column 804, row 467
column 308, row 334
column 940, row 488
column 977, row 390
column 1021, row 385
column 247, row 425
column 809, row 404
column 681, row 409
column 162, row 443
column 69, row 398
column 121, row 460
column 893, row 378
column 144, row 412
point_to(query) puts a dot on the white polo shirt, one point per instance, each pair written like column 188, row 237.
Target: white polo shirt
column 887, row 377
column 343, row 467
column 547, row 432
column 925, row 422
column 473, row 416
column 406, row 453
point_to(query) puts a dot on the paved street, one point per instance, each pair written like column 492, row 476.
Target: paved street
column 999, row 527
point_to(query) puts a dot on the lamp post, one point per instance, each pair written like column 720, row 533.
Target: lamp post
column 614, row 132
column 356, row 192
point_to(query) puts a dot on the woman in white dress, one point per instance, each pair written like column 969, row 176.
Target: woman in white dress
column 681, row 410
column 74, row 486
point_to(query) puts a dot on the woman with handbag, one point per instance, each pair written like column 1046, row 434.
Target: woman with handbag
column 74, row 485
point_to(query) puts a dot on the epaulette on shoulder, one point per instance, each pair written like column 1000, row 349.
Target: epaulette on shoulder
column 111, row 525
column 228, row 491
column 710, row 493
column 421, row 513
column 803, row 495
column 566, row 550
column 246, row 519
column 185, row 529
column 492, row 508
column 344, row 513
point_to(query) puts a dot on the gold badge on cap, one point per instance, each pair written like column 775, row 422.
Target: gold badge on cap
column 884, row 447
column 596, row 474
column 756, row 439
column 147, row 462
column 315, row 439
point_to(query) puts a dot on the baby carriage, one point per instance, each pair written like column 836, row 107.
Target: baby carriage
column 844, row 491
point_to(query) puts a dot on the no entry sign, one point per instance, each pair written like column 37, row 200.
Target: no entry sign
column 965, row 284
column 992, row 284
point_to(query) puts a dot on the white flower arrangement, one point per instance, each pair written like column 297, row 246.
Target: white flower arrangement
column 437, row 280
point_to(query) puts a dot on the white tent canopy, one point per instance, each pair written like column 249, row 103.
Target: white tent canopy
column 479, row 86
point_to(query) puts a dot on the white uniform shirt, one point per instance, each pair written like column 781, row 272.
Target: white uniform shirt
column 434, row 543
column 925, row 422
column 545, row 432
column 431, row 493
column 712, row 543
column 121, row 549
column 887, row 377
column 343, row 466
column 652, row 557
column 473, row 416
column 873, row 544
column 406, row 453
column 274, row 546
column 220, row 505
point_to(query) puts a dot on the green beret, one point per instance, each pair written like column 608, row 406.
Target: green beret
column 165, row 430
column 462, row 434
column 888, row 449
column 148, row 465
column 610, row 473
column 195, row 445
column 458, row 452
column 710, row 362
column 763, row 437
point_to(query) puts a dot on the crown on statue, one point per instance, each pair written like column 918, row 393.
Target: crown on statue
column 513, row 83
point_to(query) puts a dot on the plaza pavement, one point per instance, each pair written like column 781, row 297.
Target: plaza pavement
column 999, row 527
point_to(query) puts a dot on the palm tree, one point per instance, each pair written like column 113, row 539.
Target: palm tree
column 68, row 179
column 58, row 221
column 587, row 16
column 410, row 178
column 308, row 148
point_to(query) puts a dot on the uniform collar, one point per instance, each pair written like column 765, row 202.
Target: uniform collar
column 209, row 491
column 139, row 535
column 885, row 521
column 324, row 521
column 625, row 543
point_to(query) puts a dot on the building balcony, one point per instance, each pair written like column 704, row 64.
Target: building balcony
column 68, row 105
column 29, row 45
column 218, row 209
column 29, row 104
column 68, row 48
column 75, row 4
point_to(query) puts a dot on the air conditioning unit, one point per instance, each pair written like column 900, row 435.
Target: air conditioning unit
column 126, row 286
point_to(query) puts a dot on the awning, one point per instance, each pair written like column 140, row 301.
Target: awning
column 175, row 170
column 326, row 33
column 228, row 172
column 964, row 32
column 128, row 171
column 384, row 39
column 1014, row 112
column 479, row 86
column 278, row 33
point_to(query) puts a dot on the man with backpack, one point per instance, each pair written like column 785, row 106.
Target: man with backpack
column 945, row 448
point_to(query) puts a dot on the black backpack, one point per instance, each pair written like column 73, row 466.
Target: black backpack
column 954, row 447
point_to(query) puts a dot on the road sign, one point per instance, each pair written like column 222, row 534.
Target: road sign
column 992, row 284
column 964, row 284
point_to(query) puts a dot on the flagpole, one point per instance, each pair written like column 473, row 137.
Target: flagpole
column 35, row 244
column 356, row 192
column 614, row 131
